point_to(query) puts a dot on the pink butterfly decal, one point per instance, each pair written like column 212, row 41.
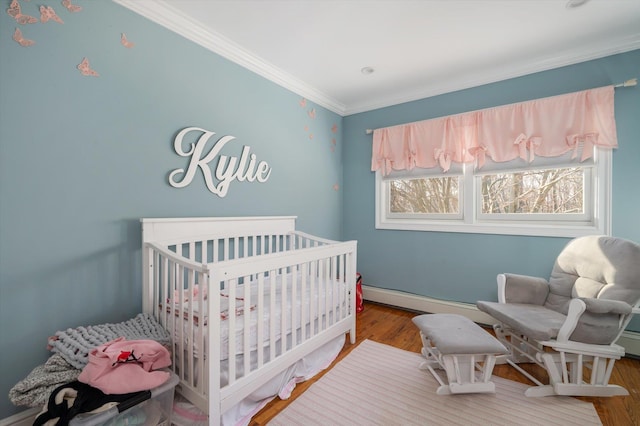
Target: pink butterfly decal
column 334, row 128
column 126, row 43
column 312, row 113
column 311, row 136
column 71, row 7
column 333, row 141
column 85, row 69
column 47, row 13
column 336, row 187
column 303, row 102
column 15, row 12
column 17, row 36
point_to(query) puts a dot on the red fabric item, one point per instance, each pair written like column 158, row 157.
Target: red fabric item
column 359, row 298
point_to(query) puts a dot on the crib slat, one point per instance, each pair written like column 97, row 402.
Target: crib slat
column 328, row 293
column 246, row 346
column 190, row 276
column 236, row 248
column 294, row 305
column 313, row 304
column 304, row 304
column 283, row 309
column 260, row 324
column 178, row 288
column 199, row 338
column 272, row 317
column 231, row 314
column 341, row 283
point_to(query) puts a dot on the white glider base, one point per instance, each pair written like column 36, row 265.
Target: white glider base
column 461, row 348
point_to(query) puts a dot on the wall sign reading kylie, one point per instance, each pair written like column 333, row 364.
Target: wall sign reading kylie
column 227, row 170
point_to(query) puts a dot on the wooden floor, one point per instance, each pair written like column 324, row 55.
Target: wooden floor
column 393, row 326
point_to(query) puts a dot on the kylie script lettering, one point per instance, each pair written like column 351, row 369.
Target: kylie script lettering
column 227, row 170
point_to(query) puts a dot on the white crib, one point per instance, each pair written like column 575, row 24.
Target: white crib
column 288, row 296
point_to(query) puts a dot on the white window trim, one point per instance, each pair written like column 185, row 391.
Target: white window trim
column 601, row 187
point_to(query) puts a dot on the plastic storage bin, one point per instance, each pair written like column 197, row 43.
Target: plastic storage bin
column 151, row 409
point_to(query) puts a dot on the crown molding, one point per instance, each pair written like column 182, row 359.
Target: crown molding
column 169, row 17
column 504, row 73
column 162, row 13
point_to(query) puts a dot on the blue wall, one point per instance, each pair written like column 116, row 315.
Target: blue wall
column 83, row 158
column 462, row 267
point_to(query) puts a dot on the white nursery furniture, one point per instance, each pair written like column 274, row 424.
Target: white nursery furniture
column 570, row 323
column 461, row 348
column 253, row 306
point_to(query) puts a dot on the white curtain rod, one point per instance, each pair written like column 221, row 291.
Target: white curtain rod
column 629, row 83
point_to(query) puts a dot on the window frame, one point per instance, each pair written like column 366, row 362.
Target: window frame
column 598, row 189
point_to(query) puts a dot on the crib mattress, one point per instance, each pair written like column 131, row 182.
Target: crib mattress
column 290, row 304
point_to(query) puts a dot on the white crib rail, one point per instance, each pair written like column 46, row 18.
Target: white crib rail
column 327, row 271
column 179, row 276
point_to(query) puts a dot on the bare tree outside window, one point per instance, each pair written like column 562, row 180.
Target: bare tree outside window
column 555, row 191
column 547, row 198
column 424, row 195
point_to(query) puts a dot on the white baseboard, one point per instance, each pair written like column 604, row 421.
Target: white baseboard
column 24, row 418
column 629, row 340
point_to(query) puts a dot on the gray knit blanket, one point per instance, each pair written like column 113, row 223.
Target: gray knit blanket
column 74, row 344
column 34, row 390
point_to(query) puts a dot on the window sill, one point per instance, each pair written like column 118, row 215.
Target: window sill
column 539, row 230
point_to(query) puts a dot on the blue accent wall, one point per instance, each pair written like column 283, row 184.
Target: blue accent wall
column 83, row 158
column 462, row 267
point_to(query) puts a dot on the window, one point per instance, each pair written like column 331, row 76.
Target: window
column 550, row 196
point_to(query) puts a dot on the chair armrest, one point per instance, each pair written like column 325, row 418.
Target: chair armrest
column 606, row 306
column 579, row 306
column 513, row 288
column 576, row 309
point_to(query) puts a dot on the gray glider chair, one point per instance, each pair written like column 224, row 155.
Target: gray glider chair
column 569, row 324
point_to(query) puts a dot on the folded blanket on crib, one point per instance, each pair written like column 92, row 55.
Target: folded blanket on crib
column 74, row 344
column 34, row 390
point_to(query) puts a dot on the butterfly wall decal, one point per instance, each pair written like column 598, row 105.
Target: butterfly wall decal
column 47, row 13
column 71, row 7
column 16, row 12
column 126, row 43
column 17, row 36
column 85, row 69
column 312, row 113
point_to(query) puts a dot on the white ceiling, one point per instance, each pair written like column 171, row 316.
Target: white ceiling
column 417, row 49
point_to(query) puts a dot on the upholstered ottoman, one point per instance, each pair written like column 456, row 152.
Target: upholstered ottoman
column 461, row 348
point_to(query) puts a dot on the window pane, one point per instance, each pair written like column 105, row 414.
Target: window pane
column 556, row 191
column 426, row 195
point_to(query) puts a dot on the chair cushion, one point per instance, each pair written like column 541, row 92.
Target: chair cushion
column 595, row 266
column 534, row 321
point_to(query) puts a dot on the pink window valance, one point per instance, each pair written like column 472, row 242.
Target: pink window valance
column 547, row 127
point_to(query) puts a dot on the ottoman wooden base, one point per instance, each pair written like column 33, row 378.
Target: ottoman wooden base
column 461, row 348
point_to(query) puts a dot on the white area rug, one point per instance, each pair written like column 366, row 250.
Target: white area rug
column 377, row 384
